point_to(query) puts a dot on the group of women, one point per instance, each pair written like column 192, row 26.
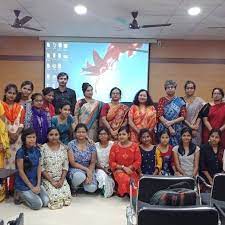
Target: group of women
column 103, row 146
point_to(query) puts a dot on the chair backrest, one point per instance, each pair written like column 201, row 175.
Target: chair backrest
column 149, row 185
column 218, row 188
column 178, row 216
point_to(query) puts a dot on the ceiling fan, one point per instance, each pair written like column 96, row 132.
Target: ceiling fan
column 134, row 24
column 19, row 23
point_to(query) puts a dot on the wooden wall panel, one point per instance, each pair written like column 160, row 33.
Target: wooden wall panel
column 206, row 78
column 21, row 58
column 21, row 46
column 180, row 60
column 189, row 49
column 16, row 72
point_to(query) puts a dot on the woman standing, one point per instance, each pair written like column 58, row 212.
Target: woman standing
column 37, row 118
column 103, row 172
column 125, row 162
column 28, row 178
column 48, row 94
column 82, row 159
column 14, row 120
column 64, row 123
column 211, row 157
column 142, row 114
column 171, row 112
column 23, row 97
column 87, row 111
column 4, row 138
column 55, row 165
column 213, row 115
column 114, row 114
column 186, row 155
column 4, row 150
column 193, row 105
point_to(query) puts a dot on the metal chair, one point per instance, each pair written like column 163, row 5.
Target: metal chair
column 148, row 186
column 18, row 221
column 215, row 198
column 178, row 216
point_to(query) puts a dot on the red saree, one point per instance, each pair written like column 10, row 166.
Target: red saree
column 216, row 117
column 115, row 114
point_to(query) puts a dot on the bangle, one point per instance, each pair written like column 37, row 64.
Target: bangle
column 122, row 167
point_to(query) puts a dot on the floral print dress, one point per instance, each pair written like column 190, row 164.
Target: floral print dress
column 54, row 162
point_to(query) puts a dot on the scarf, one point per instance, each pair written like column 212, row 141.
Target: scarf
column 40, row 125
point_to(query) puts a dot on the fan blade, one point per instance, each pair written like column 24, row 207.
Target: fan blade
column 216, row 27
column 16, row 12
column 25, row 20
column 16, row 23
column 30, row 28
column 157, row 25
column 134, row 14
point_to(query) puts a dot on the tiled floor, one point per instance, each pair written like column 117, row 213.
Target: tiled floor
column 84, row 210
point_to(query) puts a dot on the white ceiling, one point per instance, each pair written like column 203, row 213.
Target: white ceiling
column 110, row 18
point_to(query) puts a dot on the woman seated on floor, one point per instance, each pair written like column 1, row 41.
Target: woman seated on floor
column 151, row 162
column 211, row 156
column 54, row 161
column 186, row 155
column 82, row 159
column 125, row 162
column 28, row 177
column 103, row 172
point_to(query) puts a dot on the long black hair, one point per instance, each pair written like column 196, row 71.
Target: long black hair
column 220, row 147
column 149, row 99
column 52, row 128
column 115, row 88
column 24, row 83
column 7, row 88
column 126, row 128
column 47, row 90
column 192, row 146
column 85, row 86
column 80, row 125
column 143, row 131
column 100, row 129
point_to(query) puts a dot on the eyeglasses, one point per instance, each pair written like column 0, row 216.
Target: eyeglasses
column 170, row 87
column 36, row 100
column 102, row 134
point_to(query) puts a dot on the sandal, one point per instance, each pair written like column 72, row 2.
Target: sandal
column 55, row 205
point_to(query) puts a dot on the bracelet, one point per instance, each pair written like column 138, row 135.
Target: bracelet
column 122, row 167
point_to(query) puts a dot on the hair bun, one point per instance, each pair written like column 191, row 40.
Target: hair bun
column 85, row 86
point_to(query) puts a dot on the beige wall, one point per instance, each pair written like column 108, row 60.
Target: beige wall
column 22, row 58
column 200, row 61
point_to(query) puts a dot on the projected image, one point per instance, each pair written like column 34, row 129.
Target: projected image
column 103, row 65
